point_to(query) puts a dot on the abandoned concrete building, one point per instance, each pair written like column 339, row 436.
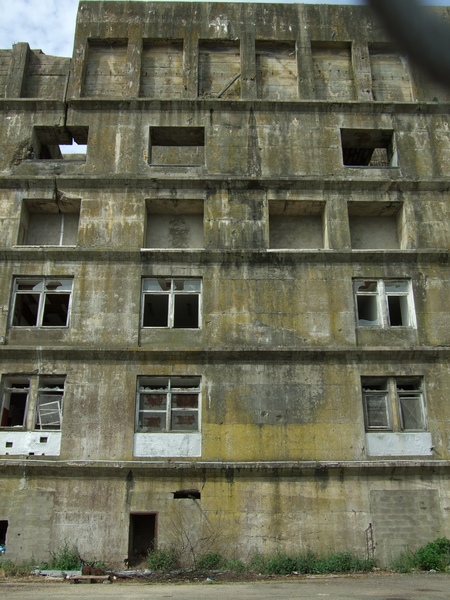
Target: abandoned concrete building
column 225, row 317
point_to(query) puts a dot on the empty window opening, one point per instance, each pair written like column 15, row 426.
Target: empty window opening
column 219, row 69
column 14, row 402
column 391, row 80
column 43, row 440
column 177, row 146
column 174, row 224
column 173, row 303
column 9, row 445
column 41, row 302
column 162, row 69
column 3, row 531
column 192, row 494
column 376, row 225
column 276, row 70
column 105, row 68
column 394, row 403
column 142, row 537
column 368, row 148
column 168, row 404
column 49, row 223
column 54, row 143
column 296, row 225
column 384, row 303
column 333, row 71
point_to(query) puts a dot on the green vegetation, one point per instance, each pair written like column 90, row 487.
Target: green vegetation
column 236, row 566
column 66, row 558
column 163, row 559
column 11, row 569
column 281, row 563
column 210, row 560
column 434, row 555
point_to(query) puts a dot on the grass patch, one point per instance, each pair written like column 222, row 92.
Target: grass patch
column 162, row 559
column 210, row 560
column 433, row 556
column 11, row 569
column 281, row 563
column 66, row 558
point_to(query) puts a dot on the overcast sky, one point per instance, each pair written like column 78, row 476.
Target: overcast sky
column 50, row 24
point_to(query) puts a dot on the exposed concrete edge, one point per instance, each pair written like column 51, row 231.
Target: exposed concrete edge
column 355, row 354
column 224, row 256
column 149, row 182
column 227, row 468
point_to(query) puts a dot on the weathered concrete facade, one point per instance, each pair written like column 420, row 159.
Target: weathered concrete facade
column 229, row 316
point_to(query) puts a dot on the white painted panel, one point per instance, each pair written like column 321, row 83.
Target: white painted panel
column 166, row 445
column 399, row 444
column 29, row 442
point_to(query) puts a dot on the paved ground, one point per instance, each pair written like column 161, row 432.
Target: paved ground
column 426, row 586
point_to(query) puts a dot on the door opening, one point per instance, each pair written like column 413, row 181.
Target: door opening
column 3, row 530
column 142, row 537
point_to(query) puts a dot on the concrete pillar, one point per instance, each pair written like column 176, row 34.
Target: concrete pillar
column 15, row 80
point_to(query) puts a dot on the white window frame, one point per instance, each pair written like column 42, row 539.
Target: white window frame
column 172, row 293
column 380, row 296
column 36, row 387
column 166, row 386
column 40, row 285
column 394, row 396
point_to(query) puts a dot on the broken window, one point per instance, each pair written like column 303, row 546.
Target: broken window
column 177, row 146
column 50, row 143
column 49, row 403
column 41, row 302
column 368, row 148
column 168, row 404
column 295, row 224
column 24, row 394
column 3, row 530
column 174, row 224
column 276, row 70
column 172, row 303
column 384, row 303
column 49, row 223
column 393, row 403
column 219, row 69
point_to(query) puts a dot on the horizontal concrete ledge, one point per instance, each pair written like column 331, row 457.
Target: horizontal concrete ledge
column 79, row 255
column 344, row 179
column 227, row 469
column 222, row 104
column 338, row 355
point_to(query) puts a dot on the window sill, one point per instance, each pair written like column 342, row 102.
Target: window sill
column 388, row 443
column 167, row 445
column 28, row 442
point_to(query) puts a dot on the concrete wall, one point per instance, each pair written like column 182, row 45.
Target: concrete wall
column 220, row 146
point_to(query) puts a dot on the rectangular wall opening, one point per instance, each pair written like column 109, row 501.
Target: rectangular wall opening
column 368, row 148
column 296, row 225
column 162, row 69
column 105, row 68
column 276, row 70
column 52, row 143
column 3, row 530
column 49, row 223
column 376, row 225
column 177, row 146
column 174, row 224
column 333, row 70
column 219, row 69
column 391, row 81
column 142, row 537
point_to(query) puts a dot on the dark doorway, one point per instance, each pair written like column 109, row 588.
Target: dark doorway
column 142, row 537
column 3, row 530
